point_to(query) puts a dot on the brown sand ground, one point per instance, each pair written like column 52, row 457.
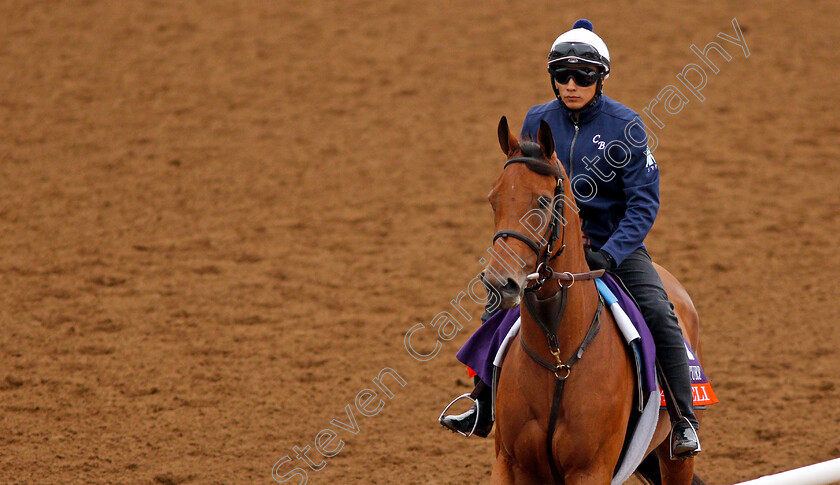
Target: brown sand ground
column 218, row 220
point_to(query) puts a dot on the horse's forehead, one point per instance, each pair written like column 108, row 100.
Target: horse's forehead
column 521, row 178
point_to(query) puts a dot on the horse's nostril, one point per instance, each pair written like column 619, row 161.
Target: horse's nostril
column 512, row 285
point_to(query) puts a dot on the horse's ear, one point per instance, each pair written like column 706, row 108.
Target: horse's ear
column 546, row 140
column 507, row 141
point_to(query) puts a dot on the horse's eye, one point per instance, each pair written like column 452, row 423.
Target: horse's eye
column 545, row 202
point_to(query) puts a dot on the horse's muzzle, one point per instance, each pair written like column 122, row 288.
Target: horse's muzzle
column 508, row 289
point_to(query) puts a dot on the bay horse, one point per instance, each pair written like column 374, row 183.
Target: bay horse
column 578, row 439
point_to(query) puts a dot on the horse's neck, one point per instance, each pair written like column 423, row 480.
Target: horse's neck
column 573, row 258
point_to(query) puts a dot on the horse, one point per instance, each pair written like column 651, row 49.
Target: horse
column 577, row 438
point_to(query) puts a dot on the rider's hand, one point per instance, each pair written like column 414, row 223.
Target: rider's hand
column 599, row 260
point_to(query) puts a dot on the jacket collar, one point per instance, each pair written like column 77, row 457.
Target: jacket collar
column 586, row 114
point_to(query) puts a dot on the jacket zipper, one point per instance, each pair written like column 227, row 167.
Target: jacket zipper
column 572, row 151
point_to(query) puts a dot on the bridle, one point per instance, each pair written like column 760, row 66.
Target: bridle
column 549, row 311
column 544, row 251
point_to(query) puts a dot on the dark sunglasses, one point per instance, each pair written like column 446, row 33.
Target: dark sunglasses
column 582, row 77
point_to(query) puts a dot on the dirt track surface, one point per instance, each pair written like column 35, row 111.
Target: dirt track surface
column 219, row 219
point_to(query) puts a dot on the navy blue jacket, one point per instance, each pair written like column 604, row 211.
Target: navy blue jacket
column 614, row 176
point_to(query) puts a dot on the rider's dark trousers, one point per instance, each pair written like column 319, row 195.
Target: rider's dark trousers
column 643, row 282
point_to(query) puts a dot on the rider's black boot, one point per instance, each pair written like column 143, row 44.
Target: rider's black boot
column 684, row 440
column 478, row 420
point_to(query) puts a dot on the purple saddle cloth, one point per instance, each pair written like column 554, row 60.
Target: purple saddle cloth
column 481, row 348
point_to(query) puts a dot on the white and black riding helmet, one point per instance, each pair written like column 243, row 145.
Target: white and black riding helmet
column 580, row 46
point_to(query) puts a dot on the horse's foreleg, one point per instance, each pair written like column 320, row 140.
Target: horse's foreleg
column 599, row 476
column 502, row 469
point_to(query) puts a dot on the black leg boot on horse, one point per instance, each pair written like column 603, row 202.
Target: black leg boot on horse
column 644, row 284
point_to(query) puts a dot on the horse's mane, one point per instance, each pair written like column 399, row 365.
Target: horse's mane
column 540, row 165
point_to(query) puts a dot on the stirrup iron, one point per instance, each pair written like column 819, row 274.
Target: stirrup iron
column 671, row 442
column 477, row 414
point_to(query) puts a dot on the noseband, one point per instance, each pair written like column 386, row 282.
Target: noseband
column 543, row 251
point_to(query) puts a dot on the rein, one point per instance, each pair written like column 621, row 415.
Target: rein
column 548, row 312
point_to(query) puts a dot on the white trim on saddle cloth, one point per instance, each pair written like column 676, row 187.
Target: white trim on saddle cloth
column 621, row 319
column 500, row 354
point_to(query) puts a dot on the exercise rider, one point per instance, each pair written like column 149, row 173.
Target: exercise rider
column 618, row 197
